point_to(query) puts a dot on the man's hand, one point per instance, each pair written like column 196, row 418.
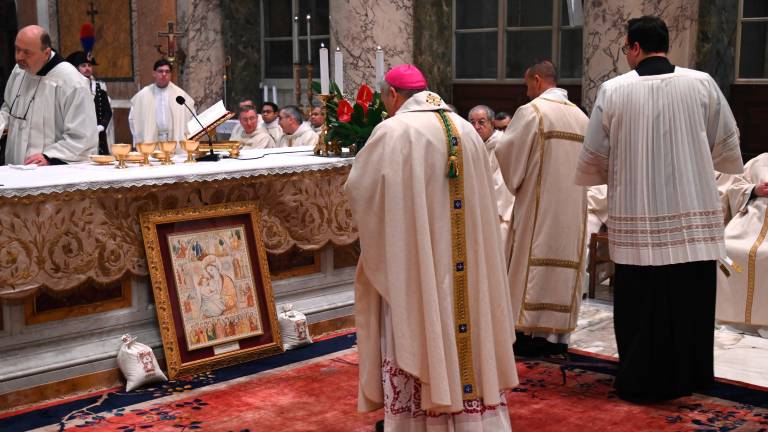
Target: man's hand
column 761, row 189
column 36, row 158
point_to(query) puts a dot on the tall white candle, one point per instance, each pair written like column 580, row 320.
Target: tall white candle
column 265, row 97
column 309, row 42
column 338, row 69
column 379, row 67
column 324, row 77
column 295, row 40
column 274, row 95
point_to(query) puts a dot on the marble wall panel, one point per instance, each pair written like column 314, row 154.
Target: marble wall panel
column 359, row 26
column 431, row 43
column 202, row 71
column 716, row 43
column 605, row 24
column 241, row 35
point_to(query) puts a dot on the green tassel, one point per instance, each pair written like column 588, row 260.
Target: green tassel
column 453, row 167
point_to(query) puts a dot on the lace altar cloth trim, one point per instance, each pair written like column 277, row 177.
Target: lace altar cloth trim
column 92, row 235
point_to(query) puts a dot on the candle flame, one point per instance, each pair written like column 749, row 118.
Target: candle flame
column 296, row 18
column 378, row 48
column 322, row 45
column 308, row 17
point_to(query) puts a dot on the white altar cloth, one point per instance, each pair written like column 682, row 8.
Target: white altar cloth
column 83, row 176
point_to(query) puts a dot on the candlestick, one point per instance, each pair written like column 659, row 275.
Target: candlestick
column 309, row 42
column 295, row 40
column 324, row 78
column 379, row 67
column 338, row 69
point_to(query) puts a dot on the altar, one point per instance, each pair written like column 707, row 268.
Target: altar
column 73, row 274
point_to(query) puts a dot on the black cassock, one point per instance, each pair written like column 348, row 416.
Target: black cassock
column 103, row 117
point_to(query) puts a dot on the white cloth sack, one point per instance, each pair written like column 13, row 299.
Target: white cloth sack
column 293, row 328
column 138, row 364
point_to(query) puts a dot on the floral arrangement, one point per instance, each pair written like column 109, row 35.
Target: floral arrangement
column 350, row 125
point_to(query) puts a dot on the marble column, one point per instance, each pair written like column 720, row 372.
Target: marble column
column 241, row 34
column 431, row 48
column 202, row 70
column 605, row 25
column 359, row 26
column 716, row 44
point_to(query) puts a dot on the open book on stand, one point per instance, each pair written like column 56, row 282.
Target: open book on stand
column 210, row 119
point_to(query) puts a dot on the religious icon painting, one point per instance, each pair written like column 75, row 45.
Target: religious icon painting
column 211, row 284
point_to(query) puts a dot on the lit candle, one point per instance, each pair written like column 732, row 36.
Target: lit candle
column 338, row 69
column 324, row 78
column 379, row 67
column 295, row 40
column 309, row 43
column 274, row 95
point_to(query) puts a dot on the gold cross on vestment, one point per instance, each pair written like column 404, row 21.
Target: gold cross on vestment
column 92, row 12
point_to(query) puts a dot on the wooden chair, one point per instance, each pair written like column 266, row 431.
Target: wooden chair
column 599, row 256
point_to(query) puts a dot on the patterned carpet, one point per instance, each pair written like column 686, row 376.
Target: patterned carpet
column 315, row 389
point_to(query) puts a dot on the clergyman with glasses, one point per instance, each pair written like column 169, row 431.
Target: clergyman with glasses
column 48, row 108
column 269, row 114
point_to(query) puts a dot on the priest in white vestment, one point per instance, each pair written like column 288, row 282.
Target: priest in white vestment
column 481, row 117
column 47, row 108
column 316, row 117
column 155, row 115
column 296, row 132
column 269, row 114
column 432, row 308
column 742, row 297
column 655, row 136
column 537, row 156
column 249, row 134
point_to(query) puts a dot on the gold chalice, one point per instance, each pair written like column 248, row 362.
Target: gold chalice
column 168, row 147
column 120, row 151
column 234, row 149
column 146, row 149
column 190, row 147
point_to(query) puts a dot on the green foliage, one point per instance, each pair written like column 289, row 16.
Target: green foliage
column 357, row 130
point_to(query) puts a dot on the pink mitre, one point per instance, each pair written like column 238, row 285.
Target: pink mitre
column 406, row 77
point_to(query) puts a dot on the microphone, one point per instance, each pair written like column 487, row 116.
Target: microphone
column 211, row 156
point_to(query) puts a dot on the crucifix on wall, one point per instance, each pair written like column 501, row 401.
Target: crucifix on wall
column 92, row 12
column 170, row 36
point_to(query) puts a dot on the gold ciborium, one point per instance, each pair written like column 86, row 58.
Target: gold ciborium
column 146, row 149
column 190, row 147
column 168, row 147
column 120, row 151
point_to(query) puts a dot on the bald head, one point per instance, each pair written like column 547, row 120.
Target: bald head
column 540, row 77
column 33, row 47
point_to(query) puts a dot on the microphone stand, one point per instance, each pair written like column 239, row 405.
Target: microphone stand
column 211, row 156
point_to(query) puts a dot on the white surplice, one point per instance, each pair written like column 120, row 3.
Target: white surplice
column 504, row 198
column 303, row 136
column 154, row 109
column 398, row 192
column 742, row 298
column 537, row 156
column 60, row 115
column 274, row 130
column 678, row 123
column 258, row 139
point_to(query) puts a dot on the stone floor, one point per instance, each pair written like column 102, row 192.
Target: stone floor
column 738, row 356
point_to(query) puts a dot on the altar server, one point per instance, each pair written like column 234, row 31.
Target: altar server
column 48, row 108
column 155, row 115
column 537, row 156
column 432, row 306
column 654, row 136
column 742, row 295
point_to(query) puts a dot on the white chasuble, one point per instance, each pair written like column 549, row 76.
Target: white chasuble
column 537, row 156
column 143, row 115
column 52, row 114
column 398, row 192
column 258, row 139
column 274, row 130
column 303, row 136
column 743, row 297
column 504, row 199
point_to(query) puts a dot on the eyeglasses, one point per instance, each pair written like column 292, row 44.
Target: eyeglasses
column 15, row 99
column 481, row 122
column 267, row 112
column 625, row 49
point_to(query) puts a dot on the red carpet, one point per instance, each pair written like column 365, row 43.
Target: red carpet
column 320, row 395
